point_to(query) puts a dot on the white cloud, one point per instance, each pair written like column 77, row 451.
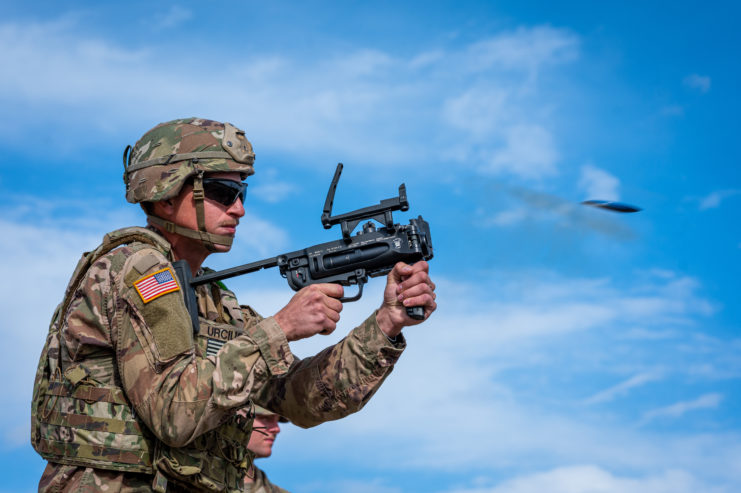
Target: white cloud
column 598, row 184
column 274, row 192
column 714, row 199
column 508, row 217
column 623, row 388
column 355, row 104
column 489, row 379
column 505, row 122
column 378, row 485
column 526, row 49
column 479, row 110
column 595, row 479
column 699, row 82
column 529, row 152
column 679, row 409
column 260, row 235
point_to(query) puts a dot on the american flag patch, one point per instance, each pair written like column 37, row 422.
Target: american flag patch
column 156, row 284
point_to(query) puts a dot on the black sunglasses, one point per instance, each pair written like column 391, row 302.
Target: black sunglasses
column 225, row 192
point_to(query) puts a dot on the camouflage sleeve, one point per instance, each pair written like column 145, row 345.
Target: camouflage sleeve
column 336, row 382
column 176, row 392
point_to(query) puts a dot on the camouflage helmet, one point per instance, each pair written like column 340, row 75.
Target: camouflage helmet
column 261, row 411
column 172, row 152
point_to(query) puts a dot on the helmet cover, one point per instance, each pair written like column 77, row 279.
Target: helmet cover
column 261, row 411
column 169, row 154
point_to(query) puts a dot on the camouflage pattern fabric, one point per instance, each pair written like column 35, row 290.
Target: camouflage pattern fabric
column 261, row 483
column 179, row 391
column 170, row 153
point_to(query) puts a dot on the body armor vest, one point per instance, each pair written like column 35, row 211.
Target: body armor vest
column 81, row 416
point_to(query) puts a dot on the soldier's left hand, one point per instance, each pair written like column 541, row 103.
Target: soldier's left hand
column 406, row 286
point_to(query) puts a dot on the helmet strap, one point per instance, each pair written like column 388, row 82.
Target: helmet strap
column 208, row 239
column 199, row 196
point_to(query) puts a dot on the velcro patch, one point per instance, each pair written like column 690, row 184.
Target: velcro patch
column 156, row 284
column 213, row 346
column 145, row 263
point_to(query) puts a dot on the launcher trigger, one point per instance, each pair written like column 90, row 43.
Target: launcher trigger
column 345, row 299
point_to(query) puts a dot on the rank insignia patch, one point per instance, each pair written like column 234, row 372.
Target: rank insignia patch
column 156, row 284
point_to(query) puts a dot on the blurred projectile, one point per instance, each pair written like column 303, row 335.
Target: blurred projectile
column 612, row 206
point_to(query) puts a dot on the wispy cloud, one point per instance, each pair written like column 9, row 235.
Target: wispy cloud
column 679, row 409
column 529, row 152
column 715, row 199
column 274, row 192
column 494, row 122
column 527, row 49
column 598, row 183
column 543, row 328
column 623, row 388
column 592, row 479
column 378, row 485
column 699, row 82
column 508, row 217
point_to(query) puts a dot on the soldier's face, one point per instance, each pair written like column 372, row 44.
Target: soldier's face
column 220, row 219
column 264, row 431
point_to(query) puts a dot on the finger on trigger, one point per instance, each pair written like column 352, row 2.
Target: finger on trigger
column 332, row 290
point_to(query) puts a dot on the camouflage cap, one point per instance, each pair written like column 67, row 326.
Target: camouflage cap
column 172, row 152
column 261, row 411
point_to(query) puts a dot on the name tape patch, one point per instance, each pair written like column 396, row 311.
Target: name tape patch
column 156, row 284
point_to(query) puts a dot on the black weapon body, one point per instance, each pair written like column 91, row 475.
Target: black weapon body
column 373, row 251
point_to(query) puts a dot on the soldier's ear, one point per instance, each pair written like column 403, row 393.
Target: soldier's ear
column 163, row 208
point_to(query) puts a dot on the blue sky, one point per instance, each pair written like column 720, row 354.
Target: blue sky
column 574, row 350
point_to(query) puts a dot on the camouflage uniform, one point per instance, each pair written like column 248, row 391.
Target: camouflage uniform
column 127, row 396
column 261, row 483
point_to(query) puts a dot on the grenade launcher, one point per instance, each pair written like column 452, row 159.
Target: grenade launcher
column 371, row 252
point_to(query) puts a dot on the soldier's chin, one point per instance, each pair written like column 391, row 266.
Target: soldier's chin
column 221, row 248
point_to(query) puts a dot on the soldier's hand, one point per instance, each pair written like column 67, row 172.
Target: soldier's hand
column 406, row 286
column 315, row 309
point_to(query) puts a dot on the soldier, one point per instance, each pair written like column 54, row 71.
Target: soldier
column 129, row 398
column 264, row 432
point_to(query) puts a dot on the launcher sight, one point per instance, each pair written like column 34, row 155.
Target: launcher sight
column 350, row 220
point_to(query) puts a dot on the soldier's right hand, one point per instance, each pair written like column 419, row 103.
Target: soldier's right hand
column 315, row 309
